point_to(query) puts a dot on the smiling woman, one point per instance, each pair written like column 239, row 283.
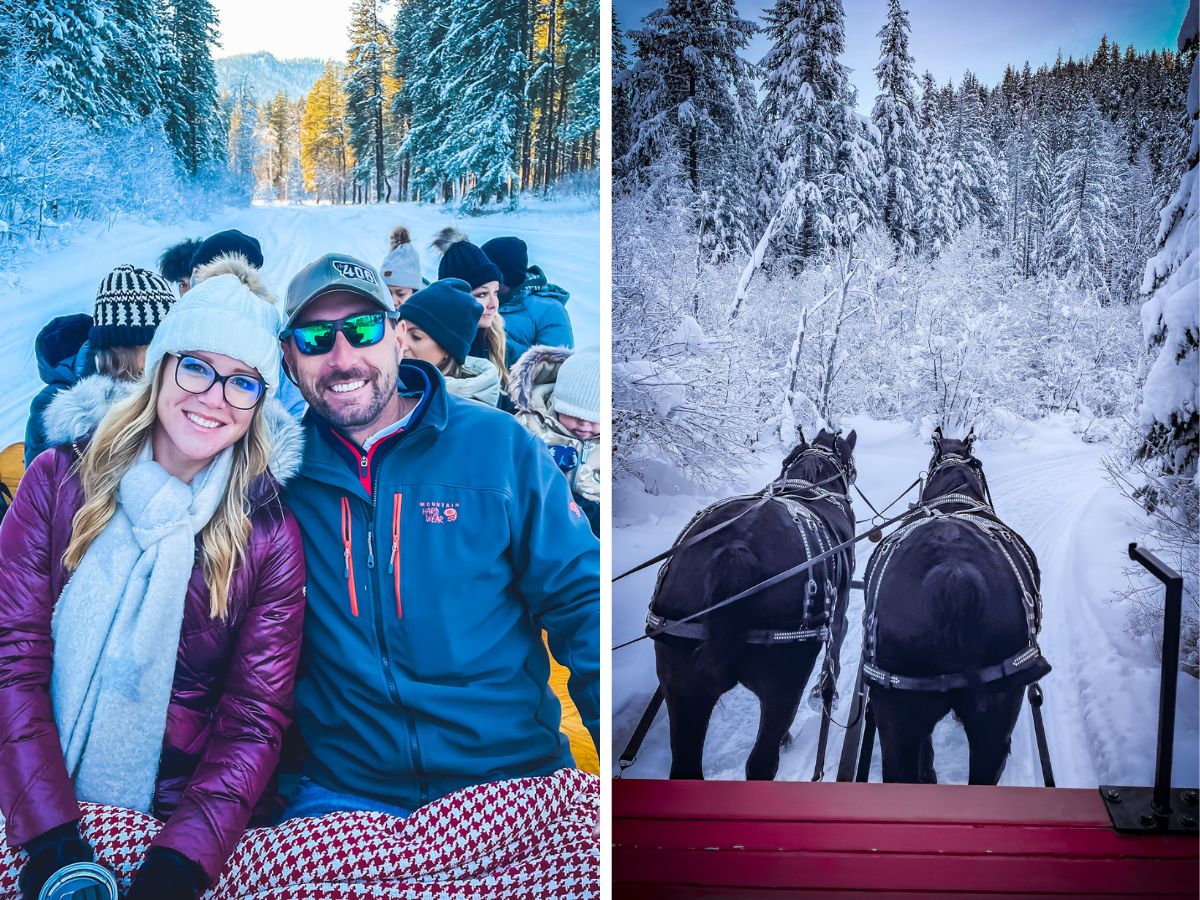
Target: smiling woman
column 158, row 537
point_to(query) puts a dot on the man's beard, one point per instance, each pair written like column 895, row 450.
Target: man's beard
column 355, row 414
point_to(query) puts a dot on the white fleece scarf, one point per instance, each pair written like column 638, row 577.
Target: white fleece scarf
column 116, row 630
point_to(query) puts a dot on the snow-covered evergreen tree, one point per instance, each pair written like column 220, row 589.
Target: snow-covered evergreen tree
column 481, row 99
column 581, row 50
column 1084, row 205
column 700, row 101
column 135, row 58
column 936, row 216
column 1170, row 411
column 243, row 134
column 369, row 60
column 190, row 85
column 901, row 145
column 817, row 161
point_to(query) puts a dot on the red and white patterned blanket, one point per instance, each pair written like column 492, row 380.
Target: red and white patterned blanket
column 532, row 837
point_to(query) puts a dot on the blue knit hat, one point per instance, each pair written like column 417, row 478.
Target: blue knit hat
column 511, row 256
column 231, row 241
column 446, row 312
column 462, row 259
column 577, row 386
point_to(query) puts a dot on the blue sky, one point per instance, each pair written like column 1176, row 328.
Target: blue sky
column 950, row 36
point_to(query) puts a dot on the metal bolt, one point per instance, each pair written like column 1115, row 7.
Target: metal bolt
column 1188, row 821
column 1146, row 819
column 1189, row 797
column 1113, row 795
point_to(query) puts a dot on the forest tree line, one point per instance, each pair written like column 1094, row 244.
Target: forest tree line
column 446, row 102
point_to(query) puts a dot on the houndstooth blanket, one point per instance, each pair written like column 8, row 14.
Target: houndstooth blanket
column 531, row 837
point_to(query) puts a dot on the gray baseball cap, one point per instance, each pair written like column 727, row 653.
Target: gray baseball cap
column 334, row 272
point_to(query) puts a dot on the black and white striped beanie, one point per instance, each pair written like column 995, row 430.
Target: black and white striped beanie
column 130, row 303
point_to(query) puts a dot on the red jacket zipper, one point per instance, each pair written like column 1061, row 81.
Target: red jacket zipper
column 394, row 563
column 348, row 546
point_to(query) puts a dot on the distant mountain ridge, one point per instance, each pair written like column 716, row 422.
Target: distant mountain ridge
column 266, row 76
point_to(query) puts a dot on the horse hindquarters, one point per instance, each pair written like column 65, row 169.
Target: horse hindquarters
column 988, row 716
column 776, row 675
column 905, row 720
column 694, row 674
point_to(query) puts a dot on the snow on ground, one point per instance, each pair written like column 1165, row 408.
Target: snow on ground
column 563, row 238
column 1101, row 707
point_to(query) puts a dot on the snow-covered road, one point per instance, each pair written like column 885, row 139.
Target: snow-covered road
column 564, row 239
column 1102, row 697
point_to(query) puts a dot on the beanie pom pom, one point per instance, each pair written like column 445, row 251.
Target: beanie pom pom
column 400, row 236
column 446, row 238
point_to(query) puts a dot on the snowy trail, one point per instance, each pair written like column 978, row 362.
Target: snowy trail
column 1102, row 697
column 564, row 239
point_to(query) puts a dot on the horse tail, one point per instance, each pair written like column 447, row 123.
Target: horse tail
column 957, row 595
column 730, row 570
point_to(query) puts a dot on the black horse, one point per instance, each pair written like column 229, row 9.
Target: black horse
column 770, row 640
column 952, row 614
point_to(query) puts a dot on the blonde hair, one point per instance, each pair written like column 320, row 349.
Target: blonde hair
column 114, row 449
column 497, row 347
column 121, row 363
column 450, row 367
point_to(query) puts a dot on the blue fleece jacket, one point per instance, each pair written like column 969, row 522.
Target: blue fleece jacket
column 434, row 561
column 535, row 313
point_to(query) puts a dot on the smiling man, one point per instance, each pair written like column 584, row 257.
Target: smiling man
column 440, row 539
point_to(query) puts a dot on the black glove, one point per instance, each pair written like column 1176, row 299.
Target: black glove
column 167, row 874
column 50, row 852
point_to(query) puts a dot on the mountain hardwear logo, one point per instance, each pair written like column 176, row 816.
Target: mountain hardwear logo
column 354, row 270
column 439, row 512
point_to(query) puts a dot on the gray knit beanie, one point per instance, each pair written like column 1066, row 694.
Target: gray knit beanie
column 577, row 386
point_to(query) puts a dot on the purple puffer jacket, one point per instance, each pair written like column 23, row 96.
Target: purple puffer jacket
column 232, row 694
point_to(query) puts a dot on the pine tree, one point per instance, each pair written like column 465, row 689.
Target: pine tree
column 581, row 44
column 901, row 145
column 1170, row 411
column 817, row 155
column 326, row 156
column 369, row 59
column 420, row 30
column 135, row 63
column 278, row 122
column 936, row 218
column 1086, row 188
column 190, row 86
column 75, row 41
column 243, row 133
column 480, row 100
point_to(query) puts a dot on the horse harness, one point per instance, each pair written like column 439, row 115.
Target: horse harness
column 817, row 535
column 1016, row 553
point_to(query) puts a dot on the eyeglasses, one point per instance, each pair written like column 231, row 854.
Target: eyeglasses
column 315, row 338
column 196, row 376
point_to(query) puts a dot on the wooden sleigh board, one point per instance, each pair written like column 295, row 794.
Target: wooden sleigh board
column 827, row 840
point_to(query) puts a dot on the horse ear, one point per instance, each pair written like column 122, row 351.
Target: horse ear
column 852, row 439
column 800, row 431
column 970, row 438
column 937, row 436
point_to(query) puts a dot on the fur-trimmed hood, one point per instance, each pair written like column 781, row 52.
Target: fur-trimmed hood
column 75, row 413
column 531, row 379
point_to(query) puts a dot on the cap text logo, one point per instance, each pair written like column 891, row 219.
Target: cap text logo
column 353, row 270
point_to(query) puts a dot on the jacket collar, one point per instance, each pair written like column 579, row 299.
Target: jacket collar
column 325, row 458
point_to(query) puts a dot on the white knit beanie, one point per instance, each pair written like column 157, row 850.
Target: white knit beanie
column 222, row 315
column 577, row 386
column 402, row 266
